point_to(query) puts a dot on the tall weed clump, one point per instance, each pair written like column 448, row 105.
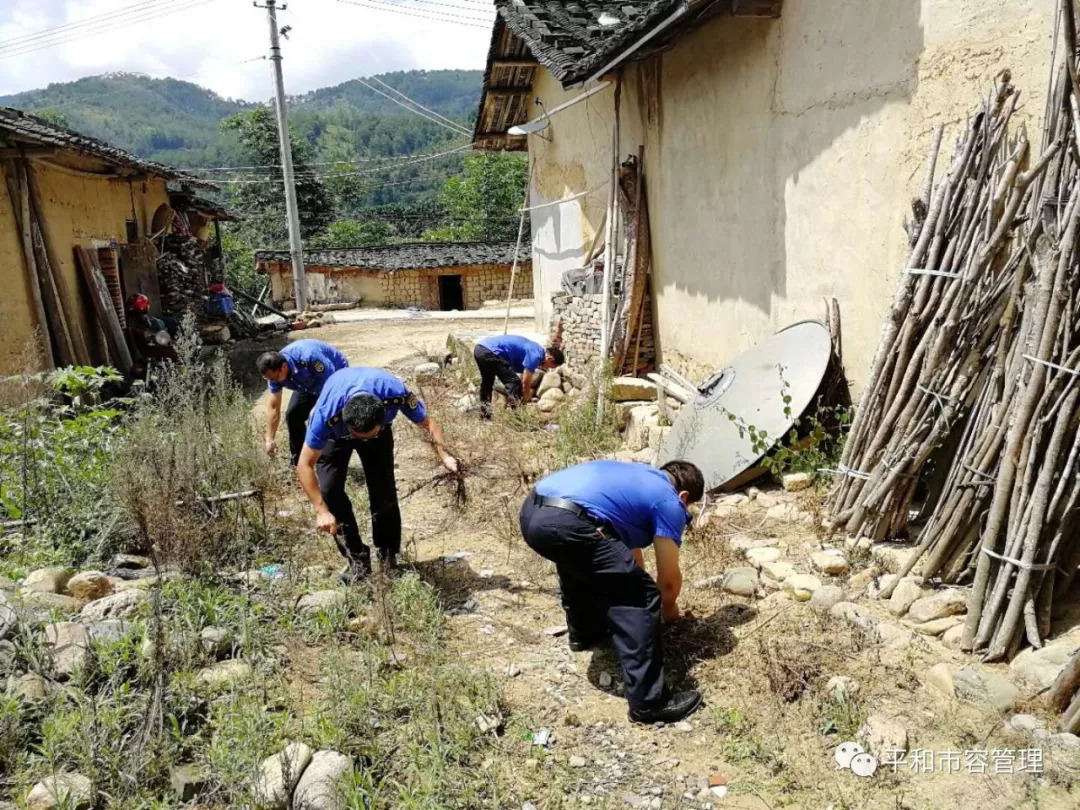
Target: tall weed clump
column 57, row 439
column 191, row 443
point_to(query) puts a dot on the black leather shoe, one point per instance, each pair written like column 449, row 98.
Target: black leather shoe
column 675, row 708
column 583, row 644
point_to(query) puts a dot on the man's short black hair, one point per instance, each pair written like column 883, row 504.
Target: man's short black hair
column 270, row 361
column 688, row 478
column 556, row 355
column 363, row 413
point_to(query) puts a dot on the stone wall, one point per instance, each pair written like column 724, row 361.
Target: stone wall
column 578, row 316
column 402, row 288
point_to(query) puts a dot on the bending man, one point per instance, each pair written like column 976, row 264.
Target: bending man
column 354, row 412
column 593, row 520
column 303, row 367
column 507, row 356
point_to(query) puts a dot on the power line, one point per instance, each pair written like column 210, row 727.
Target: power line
column 46, row 32
column 421, row 106
column 96, row 27
column 455, row 6
column 409, row 158
column 371, row 4
column 456, row 128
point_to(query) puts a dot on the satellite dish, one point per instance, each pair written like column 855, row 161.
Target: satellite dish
column 530, row 127
column 752, row 389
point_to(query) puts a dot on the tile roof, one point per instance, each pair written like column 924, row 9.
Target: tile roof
column 18, row 126
column 568, row 38
column 409, row 256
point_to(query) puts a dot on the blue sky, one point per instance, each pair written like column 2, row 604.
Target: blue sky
column 205, row 41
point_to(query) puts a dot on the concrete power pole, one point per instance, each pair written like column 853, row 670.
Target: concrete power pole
column 296, row 247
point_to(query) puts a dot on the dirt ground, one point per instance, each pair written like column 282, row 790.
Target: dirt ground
column 769, row 728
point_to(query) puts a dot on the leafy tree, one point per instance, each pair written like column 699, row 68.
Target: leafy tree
column 54, row 117
column 347, row 233
column 483, row 204
column 260, row 201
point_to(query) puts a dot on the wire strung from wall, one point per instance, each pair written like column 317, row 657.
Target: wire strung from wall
column 277, row 166
column 456, row 128
column 306, row 171
column 331, row 175
column 65, row 28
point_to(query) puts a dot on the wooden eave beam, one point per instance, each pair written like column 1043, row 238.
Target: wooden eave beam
column 514, row 63
column 27, row 151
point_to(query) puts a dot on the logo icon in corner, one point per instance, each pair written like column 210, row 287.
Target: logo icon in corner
column 852, row 756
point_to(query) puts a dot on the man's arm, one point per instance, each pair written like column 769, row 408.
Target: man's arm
column 639, row 557
column 273, row 419
column 668, row 577
column 305, row 470
column 526, row 385
column 438, row 443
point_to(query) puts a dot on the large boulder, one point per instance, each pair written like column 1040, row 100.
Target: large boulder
column 1040, row 668
column 69, row 643
column 278, row 775
column 223, row 675
column 778, row 570
column 938, row 605
column 831, row 562
column 906, row 592
column 741, row 581
column 624, row 389
column 122, row 605
column 322, row 786
column 638, row 423
column 70, row 791
column 216, row 641
column 550, row 400
column 972, row 684
column 551, row 381
column 44, row 600
column 89, row 585
column 801, row 587
column 47, row 580
column 826, row 597
column 311, row 603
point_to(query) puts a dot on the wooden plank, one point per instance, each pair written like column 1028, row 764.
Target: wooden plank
column 28, row 151
column 21, row 212
column 102, row 301
column 514, row 63
column 51, row 272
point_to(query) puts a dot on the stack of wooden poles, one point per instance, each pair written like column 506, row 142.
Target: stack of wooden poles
column 974, row 397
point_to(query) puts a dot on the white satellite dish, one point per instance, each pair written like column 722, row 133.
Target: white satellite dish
column 530, row 127
column 752, row 391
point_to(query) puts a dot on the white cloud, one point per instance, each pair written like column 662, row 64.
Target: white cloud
column 330, row 42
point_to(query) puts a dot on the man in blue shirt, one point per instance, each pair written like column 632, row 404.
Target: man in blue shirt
column 303, row 367
column 354, row 412
column 593, row 520
column 507, row 356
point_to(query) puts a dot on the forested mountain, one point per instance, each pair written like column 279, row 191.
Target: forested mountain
column 367, row 170
column 178, row 123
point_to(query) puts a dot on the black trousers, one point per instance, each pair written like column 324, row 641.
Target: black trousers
column 603, row 590
column 377, row 458
column 492, row 366
column 296, row 416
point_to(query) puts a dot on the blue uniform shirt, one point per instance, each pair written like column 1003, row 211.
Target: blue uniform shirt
column 325, row 422
column 521, row 353
column 638, row 501
column 311, row 362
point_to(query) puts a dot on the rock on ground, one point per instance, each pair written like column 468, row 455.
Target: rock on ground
column 311, row 603
column 853, row 614
column 972, row 684
column 1026, row 723
column 628, row 388
column 778, row 570
column 188, row 782
column 44, row 600
column 859, row 581
column 796, row 482
column 322, row 786
column 882, row 733
column 801, row 586
column 551, row 400
column 427, row 371
column 8, row 617
column 70, row 791
column 841, row 686
column 936, row 627
column 757, row 556
column 907, row 591
column 217, row 641
column 938, row 605
column 47, row 580
column 638, row 423
column 69, row 643
column 89, row 585
column 131, row 561
column 742, row 543
column 223, row 674
column 30, row 686
column 122, row 605
column 279, row 774
column 832, row 562
column 1040, row 668
column 109, row 630
column 741, row 581
column 953, row 636
column 827, row 596
column 552, row 380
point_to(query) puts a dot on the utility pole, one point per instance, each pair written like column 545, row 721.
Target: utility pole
column 296, row 247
